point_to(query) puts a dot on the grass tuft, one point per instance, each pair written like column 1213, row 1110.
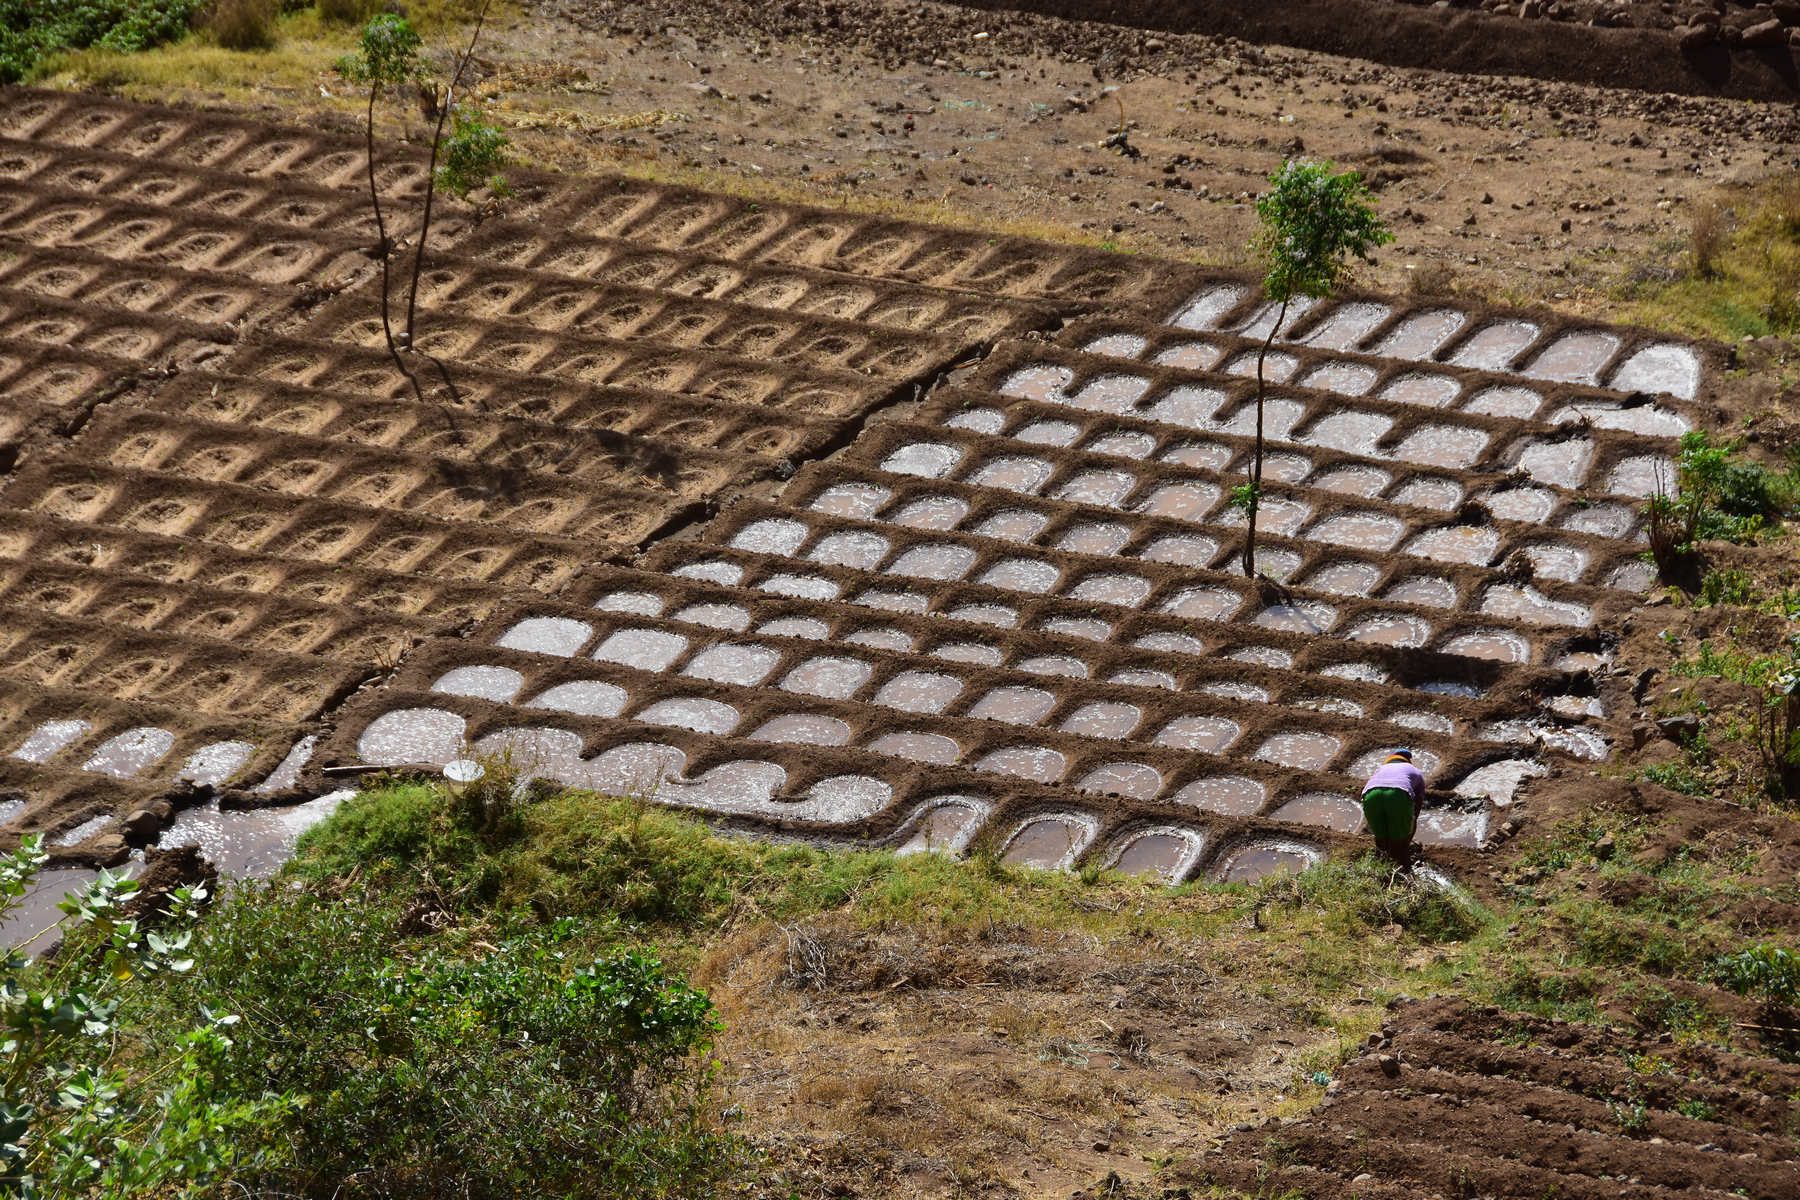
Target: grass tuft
column 243, row 24
column 1742, row 276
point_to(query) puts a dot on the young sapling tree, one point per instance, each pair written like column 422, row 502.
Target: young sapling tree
column 388, row 57
column 1311, row 222
column 471, row 157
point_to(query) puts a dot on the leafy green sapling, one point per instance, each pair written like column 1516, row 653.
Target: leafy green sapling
column 1312, row 222
column 388, row 57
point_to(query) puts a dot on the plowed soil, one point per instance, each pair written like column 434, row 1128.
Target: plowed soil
column 1449, row 1100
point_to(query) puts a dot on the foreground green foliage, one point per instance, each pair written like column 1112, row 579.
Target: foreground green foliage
column 32, row 30
column 81, row 1111
column 484, row 1063
column 511, row 1067
column 453, row 993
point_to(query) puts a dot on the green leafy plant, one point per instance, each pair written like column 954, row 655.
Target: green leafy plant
column 80, row 1112
column 1715, row 495
column 1678, row 777
column 1312, row 222
column 1770, row 971
column 32, row 30
column 388, row 59
column 1728, row 586
column 1696, row 1109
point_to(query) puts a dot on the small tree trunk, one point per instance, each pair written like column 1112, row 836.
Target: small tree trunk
column 384, row 251
column 418, row 263
column 1256, row 456
column 437, row 138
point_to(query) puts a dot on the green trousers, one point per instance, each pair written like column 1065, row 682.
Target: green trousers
column 1390, row 814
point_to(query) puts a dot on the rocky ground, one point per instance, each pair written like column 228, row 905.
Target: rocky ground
column 1509, row 188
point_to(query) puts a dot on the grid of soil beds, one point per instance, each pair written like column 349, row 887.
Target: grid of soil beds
column 1451, row 1100
column 1010, row 610
column 224, row 511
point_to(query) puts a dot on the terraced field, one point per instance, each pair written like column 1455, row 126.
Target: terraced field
column 1011, row 608
column 995, row 601
column 225, row 512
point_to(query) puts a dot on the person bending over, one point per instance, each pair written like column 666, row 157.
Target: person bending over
column 1390, row 802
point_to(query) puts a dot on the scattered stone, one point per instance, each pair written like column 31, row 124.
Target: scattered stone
column 1765, row 33
column 144, row 825
column 1681, row 728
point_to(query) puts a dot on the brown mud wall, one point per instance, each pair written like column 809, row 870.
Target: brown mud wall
column 1437, row 39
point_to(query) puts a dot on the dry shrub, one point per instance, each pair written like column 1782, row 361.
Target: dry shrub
column 353, row 12
column 826, row 1091
column 1784, row 205
column 243, row 24
column 1709, row 232
column 1784, row 291
column 1021, row 1025
column 1432, row 279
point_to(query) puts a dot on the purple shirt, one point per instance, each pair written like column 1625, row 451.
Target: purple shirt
column 1402, row 775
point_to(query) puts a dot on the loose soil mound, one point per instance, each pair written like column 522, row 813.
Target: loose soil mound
column 1452, row 1100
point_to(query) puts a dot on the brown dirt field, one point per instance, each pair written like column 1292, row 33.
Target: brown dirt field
column 207, row 423
column 1626, row 45
column 884, row 106
column 1450, row 1100
column 698, row 430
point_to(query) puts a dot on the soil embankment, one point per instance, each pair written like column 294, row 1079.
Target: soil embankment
column 1481, row 43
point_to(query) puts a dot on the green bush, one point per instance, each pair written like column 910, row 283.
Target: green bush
column 494, row 1068
column 31, row 30
column 580, row 853
column 1761, row 969
column 85, row 1109
column 1715, row 495
column 481, row 1065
